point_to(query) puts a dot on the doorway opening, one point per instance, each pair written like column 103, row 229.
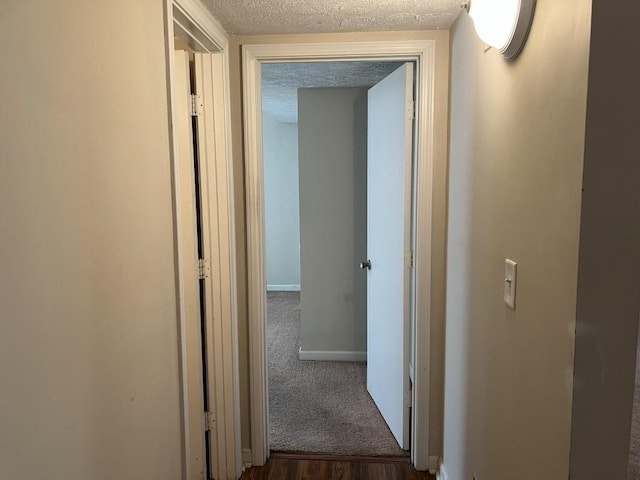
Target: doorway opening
column 422, row 52
column 314, row 118
column 197, row 72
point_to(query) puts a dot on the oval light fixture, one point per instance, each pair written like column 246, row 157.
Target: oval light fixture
column 502, row 24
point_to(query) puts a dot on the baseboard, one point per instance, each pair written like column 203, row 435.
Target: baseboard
column 442, row 473
column 434, row 463
column 283, row 288
column 246, row 458
column 332, row 356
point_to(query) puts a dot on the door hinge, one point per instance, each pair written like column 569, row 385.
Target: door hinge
column 203, row 268
column 411, row 110
column 209, row 421
column 196, row 105
column 408, row 258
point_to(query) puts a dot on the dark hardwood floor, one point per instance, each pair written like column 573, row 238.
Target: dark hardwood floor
column 305, row 467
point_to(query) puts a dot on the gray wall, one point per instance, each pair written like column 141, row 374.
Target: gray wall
column 282, row 216
column 332, row 155
column 88, row 323
column 517, row 147
column 609, row 278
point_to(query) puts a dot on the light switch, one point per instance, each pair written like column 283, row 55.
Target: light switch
column 510, row 270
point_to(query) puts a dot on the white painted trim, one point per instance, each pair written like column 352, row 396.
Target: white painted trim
column 434, row 463
column 193, row 23
column 256, row 277
column 283, row 288
column 192, row 18
column 332, row 356
column 421, row 51
column 188, row 298
column 391, row 50
column 422, row 227
column 246, row 458
column 442, row 473
column 233, row 277
column 219, row 299
column 186, row 401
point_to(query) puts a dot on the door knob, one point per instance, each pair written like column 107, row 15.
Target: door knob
column 366, row 264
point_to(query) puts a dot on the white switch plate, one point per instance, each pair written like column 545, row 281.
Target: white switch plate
column 510, row 271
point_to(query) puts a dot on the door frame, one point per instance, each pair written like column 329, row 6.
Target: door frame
column 427, row 152
column 190, row 21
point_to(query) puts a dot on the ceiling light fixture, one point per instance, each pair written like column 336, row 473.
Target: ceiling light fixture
column 502, row 24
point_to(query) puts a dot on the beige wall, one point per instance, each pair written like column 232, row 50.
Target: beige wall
column 516, row 156
column 439, row 209
column 88, row 328
column 608, row 281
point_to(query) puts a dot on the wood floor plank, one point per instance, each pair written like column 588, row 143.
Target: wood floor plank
column 291, row 468
column 340, row 458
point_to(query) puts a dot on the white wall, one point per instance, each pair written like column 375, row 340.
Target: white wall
column 332, row 154
column 608, row 309
column 282, row 213
column 517, row 144
column 88, row 328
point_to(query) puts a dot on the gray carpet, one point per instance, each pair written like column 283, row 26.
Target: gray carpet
column 634, row 447
column 318, row 407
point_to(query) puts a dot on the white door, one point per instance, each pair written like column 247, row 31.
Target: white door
column 214, row 181
column 189, row 252
column 202, row 185
column 389, row 153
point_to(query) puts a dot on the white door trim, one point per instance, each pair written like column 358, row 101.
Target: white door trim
column 193, row 23
column 423, row 52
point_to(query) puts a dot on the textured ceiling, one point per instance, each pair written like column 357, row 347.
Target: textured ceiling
column 258, row 17
column 280, row 82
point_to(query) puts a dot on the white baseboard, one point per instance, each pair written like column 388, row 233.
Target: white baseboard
column 332, row 356
column 442, row 473
column 434, row 463
column 246, row 458
column 283, row 288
